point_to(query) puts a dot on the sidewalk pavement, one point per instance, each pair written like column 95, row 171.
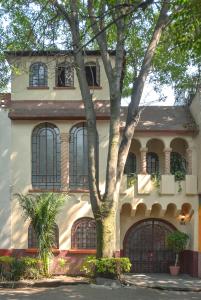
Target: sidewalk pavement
column 164, row 281
column 154, row 281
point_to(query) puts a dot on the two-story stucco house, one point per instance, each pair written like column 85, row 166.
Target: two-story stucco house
column 43, row 148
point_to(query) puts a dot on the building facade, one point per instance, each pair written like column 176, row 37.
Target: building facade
column 43, row 147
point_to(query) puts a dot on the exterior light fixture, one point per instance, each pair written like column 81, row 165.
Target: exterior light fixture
column 182, row 219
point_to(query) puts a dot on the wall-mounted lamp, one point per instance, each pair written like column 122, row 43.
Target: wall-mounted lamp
column 182, row 219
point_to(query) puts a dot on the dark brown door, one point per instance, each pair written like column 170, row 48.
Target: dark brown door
column 145, row 244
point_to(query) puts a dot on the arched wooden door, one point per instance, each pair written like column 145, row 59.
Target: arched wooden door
column 145, row 244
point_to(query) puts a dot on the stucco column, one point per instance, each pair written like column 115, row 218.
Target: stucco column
column 167, row 153
column 189, row 161
column 143, row 160
column 64, row 160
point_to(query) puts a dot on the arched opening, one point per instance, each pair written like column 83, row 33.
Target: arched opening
column 155, row 157
column 83, row 234
column 32, row 239
column 178, row 161
column 46, row 157
column 145, row 244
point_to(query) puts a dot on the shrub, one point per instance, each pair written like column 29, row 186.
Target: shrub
column 5, row 267
column 177, row 242
column 26, row 268
column 106, row 267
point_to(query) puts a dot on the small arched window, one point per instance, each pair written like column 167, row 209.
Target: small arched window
column 130, row 166
column 83, row 234
column 46, row 157
column 64, row 75
column 38, row 75
column 32, row 239
column 92, row 70
column 152, row 163
column 78, row 157
column 177, row 163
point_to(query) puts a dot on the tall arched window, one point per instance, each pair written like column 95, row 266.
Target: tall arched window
column 152, row 163
column 64, row 75
column 78, row 157
column 32, row 240
column 38, row 75
column 177, row 164
column 83, row 234
column 130, row 166
column 46, row 157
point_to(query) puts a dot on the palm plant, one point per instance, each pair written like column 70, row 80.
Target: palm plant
column 41, row 210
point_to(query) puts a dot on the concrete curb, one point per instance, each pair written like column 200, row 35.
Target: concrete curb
column 40, row 284
column 164, row 288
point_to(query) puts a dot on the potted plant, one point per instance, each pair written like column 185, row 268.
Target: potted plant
column 177, row 242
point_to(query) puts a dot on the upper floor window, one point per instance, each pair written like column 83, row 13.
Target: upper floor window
column 46, row 156
column 32, row 239
column 83, row 234
column 152, row 163
column 64, row 75
column 130, row 166
column 178, row 164
column 92, row 70
column 38, row 75
column 78, row 157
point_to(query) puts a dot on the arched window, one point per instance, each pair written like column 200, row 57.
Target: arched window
column 32, row 240
column 64, row 75
column 46, row 156
column 130, row 166
column 38, row 75
column 178, row 164
column 152, row 163
column 92, row 70
column 83, row 234
column 78, row 157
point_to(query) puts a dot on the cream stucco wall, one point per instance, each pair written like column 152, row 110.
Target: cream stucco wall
column 20, row 80
column 77, row 205
column 5, row 188
column 133, row 199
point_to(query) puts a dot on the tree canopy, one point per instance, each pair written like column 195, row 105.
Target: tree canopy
column 38, row 25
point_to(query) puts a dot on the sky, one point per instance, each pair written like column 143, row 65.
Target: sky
column 150, row 97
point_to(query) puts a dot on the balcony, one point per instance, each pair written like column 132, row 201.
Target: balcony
column 144, row 184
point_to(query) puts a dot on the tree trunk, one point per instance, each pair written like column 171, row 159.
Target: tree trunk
column 106, row 235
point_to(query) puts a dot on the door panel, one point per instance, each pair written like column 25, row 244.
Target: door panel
column 145, row 245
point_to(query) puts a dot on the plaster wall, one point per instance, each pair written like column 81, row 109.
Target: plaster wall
column 5, row 203
column 20, row 80
column 77, row 205
column 196, row 112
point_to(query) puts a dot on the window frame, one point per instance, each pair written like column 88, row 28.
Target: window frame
column 157, row 163
column 92, row 64
column 65, row 66
column 74, row 168
column 84, row 236
column 131, row 158
column 32, row 240
column 46, row 180
column 44, row 80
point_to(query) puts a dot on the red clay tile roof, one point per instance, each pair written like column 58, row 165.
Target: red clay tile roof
column 152, row 118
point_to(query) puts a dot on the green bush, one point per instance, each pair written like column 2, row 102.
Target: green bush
column 26, row 268
column 6, row 267
column 177, row 242
column 106, row 267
